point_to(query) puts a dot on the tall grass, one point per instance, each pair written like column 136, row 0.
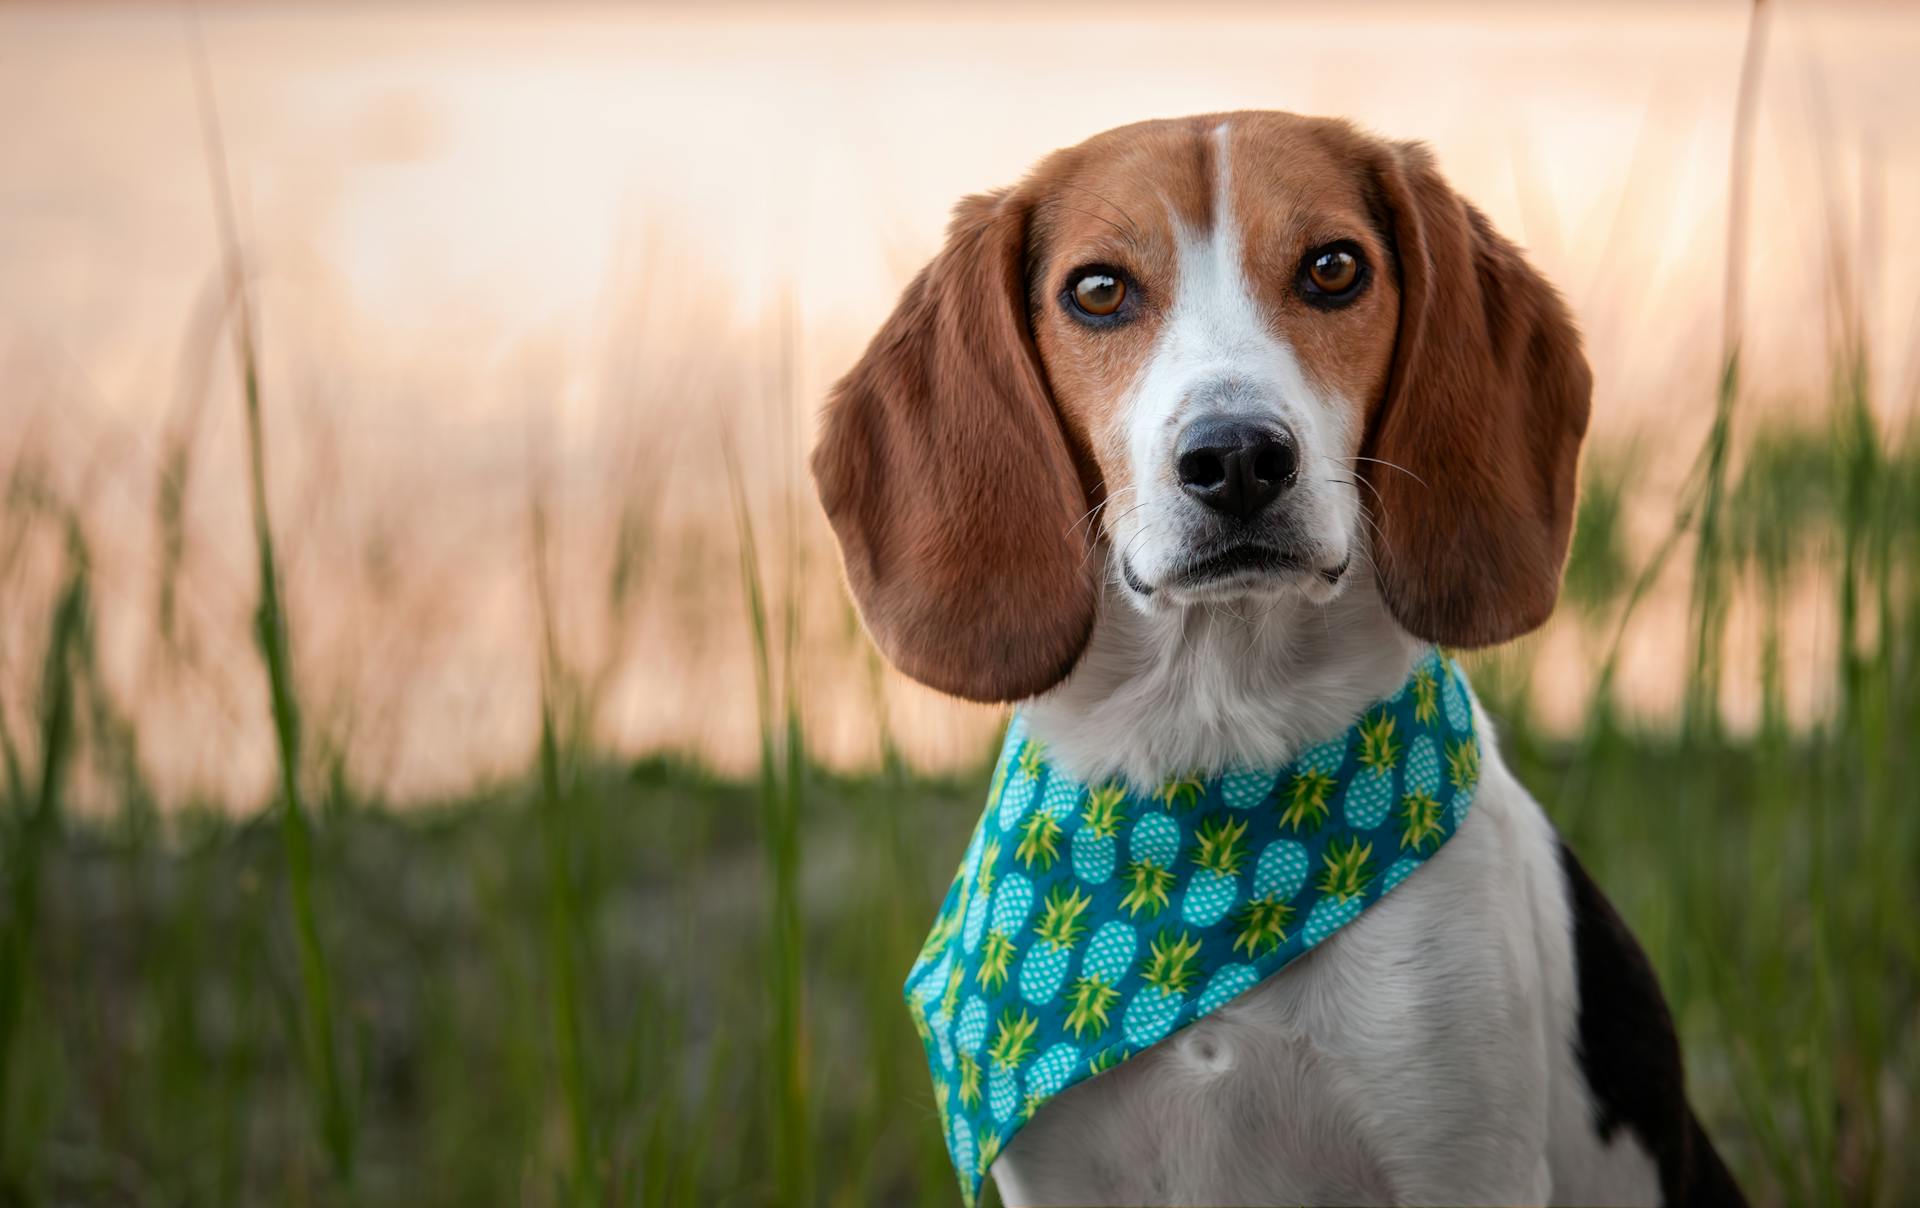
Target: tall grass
column 320, row 1048
column 606, row 980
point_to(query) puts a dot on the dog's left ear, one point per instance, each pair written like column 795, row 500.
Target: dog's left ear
column 1481, row 421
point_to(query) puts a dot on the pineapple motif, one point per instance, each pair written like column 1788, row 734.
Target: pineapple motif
column 970, row 1028
column 1398, row 873
column 1426, row 694
column 982, row 899
column 1308, row 791
column 950, row 997
column 960, row 1144
column 1277, row 879
column 1243, row 790
column 1455, row 700
column 1328, row 915
column 1049, row 1075
column 1369, row 798
column 1170, row 971
column 1094, row 992
column 1463, row 770
column 1155, row 845
column 1095, row 841
column 989, row 1150
column 1107, row 1058
column 1379, row 749
column 1216, row 886
column 1370, row 792
column 1423, row 766
column 969, row 1087
column 1420, row 827
column 1023, row 782
column 1349, row 869
column 1227, row 984
column 1012, row 1045
column 1045, row 966
column 1039, row 841
column 1181, row 793
column 1012, row 902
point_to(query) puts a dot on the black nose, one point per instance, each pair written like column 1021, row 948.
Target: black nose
column 1236, row 466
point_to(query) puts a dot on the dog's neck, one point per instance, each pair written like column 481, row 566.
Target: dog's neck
column 1199, row 689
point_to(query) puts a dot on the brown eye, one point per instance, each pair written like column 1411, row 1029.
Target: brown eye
column 1333, row 272
column 1099, row 293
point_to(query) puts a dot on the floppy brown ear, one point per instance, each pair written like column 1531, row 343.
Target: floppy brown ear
column 949, row 480
column 1482, row 421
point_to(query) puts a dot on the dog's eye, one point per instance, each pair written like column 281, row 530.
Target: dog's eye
column 1099, row 293
column 1333, row 275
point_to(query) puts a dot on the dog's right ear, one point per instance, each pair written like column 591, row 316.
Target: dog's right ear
column 949, row 480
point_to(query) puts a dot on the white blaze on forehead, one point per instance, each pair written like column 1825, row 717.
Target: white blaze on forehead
column 1216, row 338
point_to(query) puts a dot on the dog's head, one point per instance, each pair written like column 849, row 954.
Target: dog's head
column 1212, row 358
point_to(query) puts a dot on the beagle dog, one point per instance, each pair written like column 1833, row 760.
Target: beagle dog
column 1193, row 442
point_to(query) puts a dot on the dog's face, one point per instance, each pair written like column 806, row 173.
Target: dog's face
column 1247, row 354
column 1214, row 317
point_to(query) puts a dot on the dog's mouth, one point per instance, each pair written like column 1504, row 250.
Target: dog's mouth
column 1249, row 560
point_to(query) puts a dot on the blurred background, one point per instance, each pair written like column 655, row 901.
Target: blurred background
column 440, row 761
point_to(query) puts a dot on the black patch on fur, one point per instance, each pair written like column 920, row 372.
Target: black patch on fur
column 1629, row 1053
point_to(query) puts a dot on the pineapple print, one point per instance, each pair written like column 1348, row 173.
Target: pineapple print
column 960, row 1146
column 1423, row 766
column 1050, row 1074
column 1426, row 694
column 1012, row 902
column 969, row 1088
column 1155, row 845
column 1181, row 793
column 1329, row 915
column 989, row 1150
column 1349, row 869
column 978, row 904
column 1039, row 841
column 1023, row 782
column 1370, row 792
column 1095, row 991
column 1226, row 985
column 1243, row 790
column 1308, row 791
column 1455, row 700
column 1420, row 827
column 970, row 1028
column 1398, row 873
column 1216, row 886
column 1379, row 749
column 1012, row 1045
column 1044, row 967
column 1170, row 971
column 1107, row 1058
column 1277, row 879
column 1463, row 770
column 1095, row 841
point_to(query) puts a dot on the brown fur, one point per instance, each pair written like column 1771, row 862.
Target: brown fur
column 1484, row 414
column 960, row 455
column 948, row 479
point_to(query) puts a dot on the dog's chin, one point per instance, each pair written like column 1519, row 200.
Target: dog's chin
column 1239, row 574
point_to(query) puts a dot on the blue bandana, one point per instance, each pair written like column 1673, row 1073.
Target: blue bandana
column 1087, row 923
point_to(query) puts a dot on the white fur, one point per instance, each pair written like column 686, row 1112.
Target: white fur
column 1423, row 1054
column 1217, row 352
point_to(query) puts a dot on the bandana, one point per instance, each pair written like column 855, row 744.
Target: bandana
column 1087, row 922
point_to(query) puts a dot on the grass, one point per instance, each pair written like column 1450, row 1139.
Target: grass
column 620, row 983
column 604, row 981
